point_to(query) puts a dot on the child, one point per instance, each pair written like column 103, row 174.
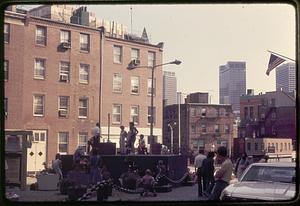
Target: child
column 148, row 183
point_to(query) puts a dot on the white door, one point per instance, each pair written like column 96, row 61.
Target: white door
column 36, row 155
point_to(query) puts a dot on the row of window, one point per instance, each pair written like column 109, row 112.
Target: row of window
column 83, row 108
column 63, row 141
column 216, row 128
column 135, row 84
column 64, row 71
column 211, row 112
column 84, row 75
column 134, row 114
column 283, row 146
column 135, row 54
column 84, row 44
column 41, row 37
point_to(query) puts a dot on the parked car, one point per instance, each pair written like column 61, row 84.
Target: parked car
column 264, row 182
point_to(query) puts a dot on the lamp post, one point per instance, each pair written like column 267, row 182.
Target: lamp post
column 134, row 64
column 172, row 136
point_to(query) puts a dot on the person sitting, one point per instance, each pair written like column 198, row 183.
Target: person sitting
column 129, row 179
column 148, row 182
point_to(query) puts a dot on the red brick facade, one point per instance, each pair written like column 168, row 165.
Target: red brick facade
column 21, row 86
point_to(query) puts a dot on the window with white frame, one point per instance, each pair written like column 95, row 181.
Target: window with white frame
column 135, row 54
column 6, row 33
column 151, row 59
column 63, row 140
column 216, row 128
column 117, row 52
column 64, row 72
column 149, row 86
column 83, row 108
column 82, row 140
column 38, row 105
column 117, row 83
column 135, row 85
column 39, row 136
column 63, row 106
column 84, row 42
column 134, row 114
column 84, row 73
column 65, row 36
column 116, row 113
column 39, row 68
column 6, row 68
column 41, row 35
column 149, row 115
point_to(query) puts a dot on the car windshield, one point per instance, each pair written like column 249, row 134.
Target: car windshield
column 270, row 173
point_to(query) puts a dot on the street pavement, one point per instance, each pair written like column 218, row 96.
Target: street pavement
column 184, row 193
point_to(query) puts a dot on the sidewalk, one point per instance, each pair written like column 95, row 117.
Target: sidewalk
column 184, row 193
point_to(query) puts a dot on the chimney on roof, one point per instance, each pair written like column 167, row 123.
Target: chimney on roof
column 250, row 92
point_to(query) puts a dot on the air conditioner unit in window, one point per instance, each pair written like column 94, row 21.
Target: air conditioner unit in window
column 62, row 113
column 64, row 77
column 66, row 45
column 136, row 62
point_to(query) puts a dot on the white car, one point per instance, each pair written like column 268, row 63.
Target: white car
column 264, row 182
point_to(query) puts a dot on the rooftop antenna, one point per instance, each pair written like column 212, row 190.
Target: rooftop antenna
column 131, row 19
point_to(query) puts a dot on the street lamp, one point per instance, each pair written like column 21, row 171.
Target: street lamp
column 134, row 64
column 172, row 137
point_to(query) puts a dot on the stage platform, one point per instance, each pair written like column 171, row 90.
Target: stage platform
column 118, row 164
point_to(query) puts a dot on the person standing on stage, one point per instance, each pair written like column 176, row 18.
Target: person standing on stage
column 198, row 168
column 94, row 141
column 131, row 137
column 122, row 141
column 142, row 145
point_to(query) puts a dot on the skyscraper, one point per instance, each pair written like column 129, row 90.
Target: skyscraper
column 232, row 84
column 286, row 77
column 169, row 88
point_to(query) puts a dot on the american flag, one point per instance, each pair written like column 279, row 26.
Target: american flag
column 274, row 62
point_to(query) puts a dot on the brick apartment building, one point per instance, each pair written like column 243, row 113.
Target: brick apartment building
column 202, row 125
column 270, row 115
column 63, row 78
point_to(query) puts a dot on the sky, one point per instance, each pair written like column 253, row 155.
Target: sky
column 205, row 36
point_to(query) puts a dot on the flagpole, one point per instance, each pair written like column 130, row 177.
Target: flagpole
column 281, row 55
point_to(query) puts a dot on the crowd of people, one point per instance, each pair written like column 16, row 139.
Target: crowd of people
column 211, row 180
